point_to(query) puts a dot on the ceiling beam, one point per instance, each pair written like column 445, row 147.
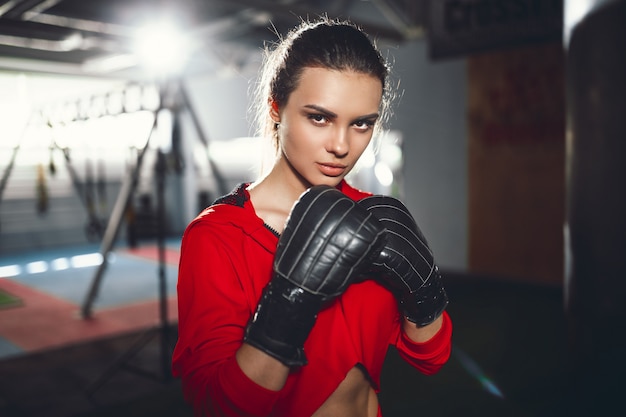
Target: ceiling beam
column 294, row 12
column 19, row 7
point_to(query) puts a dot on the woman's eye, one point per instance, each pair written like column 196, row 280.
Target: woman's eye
column 317, row 118
column 364, row 125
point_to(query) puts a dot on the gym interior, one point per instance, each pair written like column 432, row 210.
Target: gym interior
column 122, row 120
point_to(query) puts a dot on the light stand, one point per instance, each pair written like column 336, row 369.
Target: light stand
column 161, row 170
column 161, row 330
column 173, row 97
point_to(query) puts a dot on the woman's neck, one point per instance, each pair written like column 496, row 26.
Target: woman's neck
column 283, row 183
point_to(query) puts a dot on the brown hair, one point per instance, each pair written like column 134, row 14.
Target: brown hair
column 325, row 43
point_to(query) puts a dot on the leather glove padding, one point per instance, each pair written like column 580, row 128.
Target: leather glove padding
column 328, row 240
column 282, row 322
column 406, row 264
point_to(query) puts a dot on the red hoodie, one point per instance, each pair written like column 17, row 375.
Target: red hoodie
column 226, row 261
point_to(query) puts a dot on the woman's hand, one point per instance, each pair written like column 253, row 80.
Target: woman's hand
column 406, row 265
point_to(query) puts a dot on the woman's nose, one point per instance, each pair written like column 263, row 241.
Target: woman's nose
column 338, row 143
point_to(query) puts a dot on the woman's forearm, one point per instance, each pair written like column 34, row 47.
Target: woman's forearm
column 262, row 368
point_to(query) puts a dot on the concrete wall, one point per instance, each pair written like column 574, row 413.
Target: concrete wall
column 431, row 116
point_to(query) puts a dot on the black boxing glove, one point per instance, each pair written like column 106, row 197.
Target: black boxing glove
column 328, row 241
column 405, row 264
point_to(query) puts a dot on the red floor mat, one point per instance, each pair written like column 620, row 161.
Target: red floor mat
column 44, row 321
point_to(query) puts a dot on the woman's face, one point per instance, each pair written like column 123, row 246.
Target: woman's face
column 327, row 123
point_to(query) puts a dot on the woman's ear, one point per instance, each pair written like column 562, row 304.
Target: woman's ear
column 274, row 110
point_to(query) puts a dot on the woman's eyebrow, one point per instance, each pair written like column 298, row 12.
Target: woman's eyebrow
column 322, row 110
column 331, row 114
column 368, row 116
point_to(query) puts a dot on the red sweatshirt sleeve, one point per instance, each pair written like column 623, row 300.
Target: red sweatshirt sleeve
column 214, row 307
column 428, row 357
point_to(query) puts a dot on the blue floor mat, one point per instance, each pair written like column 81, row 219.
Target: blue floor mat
column 69, row 273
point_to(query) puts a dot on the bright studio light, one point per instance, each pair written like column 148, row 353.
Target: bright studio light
column 161, row 48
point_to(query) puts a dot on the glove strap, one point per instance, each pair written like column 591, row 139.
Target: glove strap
column 425, row 305
column 283, row 320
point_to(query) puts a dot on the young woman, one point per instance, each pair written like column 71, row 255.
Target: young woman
column 289, row 292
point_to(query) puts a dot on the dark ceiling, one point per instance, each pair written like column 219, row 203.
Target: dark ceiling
column 76, row 36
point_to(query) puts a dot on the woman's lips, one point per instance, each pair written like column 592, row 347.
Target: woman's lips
column 332, row 170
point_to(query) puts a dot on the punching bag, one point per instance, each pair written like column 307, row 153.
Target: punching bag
column 595, row 281
column 41, row 188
